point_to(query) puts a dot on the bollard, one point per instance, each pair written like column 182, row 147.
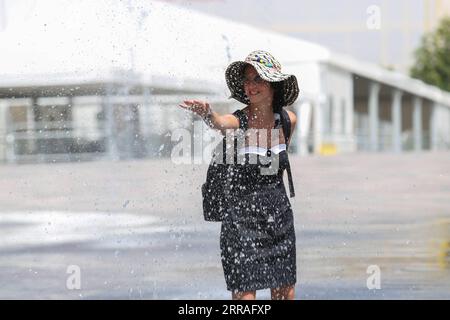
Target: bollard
column 442, row 237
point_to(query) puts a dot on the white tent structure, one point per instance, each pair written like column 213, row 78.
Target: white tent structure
column 86, row 41
column 136, row 60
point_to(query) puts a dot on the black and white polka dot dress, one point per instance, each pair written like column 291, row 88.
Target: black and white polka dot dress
column 257, row 238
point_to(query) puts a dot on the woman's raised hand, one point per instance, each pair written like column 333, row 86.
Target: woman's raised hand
column 197, row 106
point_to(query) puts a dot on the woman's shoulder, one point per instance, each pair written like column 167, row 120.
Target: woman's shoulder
column 292, row 117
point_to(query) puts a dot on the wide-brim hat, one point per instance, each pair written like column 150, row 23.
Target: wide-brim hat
column 268, row 69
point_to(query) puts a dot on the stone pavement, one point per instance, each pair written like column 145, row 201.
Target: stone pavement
column 135, row 229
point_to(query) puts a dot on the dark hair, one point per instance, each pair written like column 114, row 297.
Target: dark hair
column 278, row 96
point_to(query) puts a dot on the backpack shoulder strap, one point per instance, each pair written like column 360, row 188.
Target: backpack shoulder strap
column 286, row 124
column 243, row 119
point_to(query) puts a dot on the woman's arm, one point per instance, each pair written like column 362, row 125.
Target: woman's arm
column 293, row 119
column 213, row 119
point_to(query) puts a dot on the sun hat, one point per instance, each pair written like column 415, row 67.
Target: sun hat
column 268, row 69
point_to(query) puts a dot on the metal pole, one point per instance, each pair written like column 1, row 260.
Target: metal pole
column 396, row 113
column 434, row 126
column 417, row 123
column 318, row 121
column 374, row 90
column 109, row 127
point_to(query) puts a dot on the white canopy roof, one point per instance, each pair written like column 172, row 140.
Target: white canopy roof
column 390, row 78
column 61, row 41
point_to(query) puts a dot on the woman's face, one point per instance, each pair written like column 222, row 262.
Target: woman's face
column 256, row 89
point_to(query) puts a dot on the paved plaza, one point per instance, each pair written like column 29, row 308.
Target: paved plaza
column 135, row 229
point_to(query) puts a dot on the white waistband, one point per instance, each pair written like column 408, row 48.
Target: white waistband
column 262, row 151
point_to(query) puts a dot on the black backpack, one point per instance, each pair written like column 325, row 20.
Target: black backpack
column 214, row 190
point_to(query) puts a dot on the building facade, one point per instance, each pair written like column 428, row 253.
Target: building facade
column 110, row 88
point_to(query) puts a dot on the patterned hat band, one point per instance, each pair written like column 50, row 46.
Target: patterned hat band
column 264, row 59
column 268, row 69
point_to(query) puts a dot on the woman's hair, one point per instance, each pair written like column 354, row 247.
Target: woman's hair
column 278, row 96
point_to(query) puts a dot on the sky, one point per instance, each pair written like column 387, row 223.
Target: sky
column 339, row 25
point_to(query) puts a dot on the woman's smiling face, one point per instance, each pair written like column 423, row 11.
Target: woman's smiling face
column 256, row 89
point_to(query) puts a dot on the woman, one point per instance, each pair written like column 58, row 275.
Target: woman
column 258, row 238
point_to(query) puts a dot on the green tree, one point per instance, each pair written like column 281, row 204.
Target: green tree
column 432, row 58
